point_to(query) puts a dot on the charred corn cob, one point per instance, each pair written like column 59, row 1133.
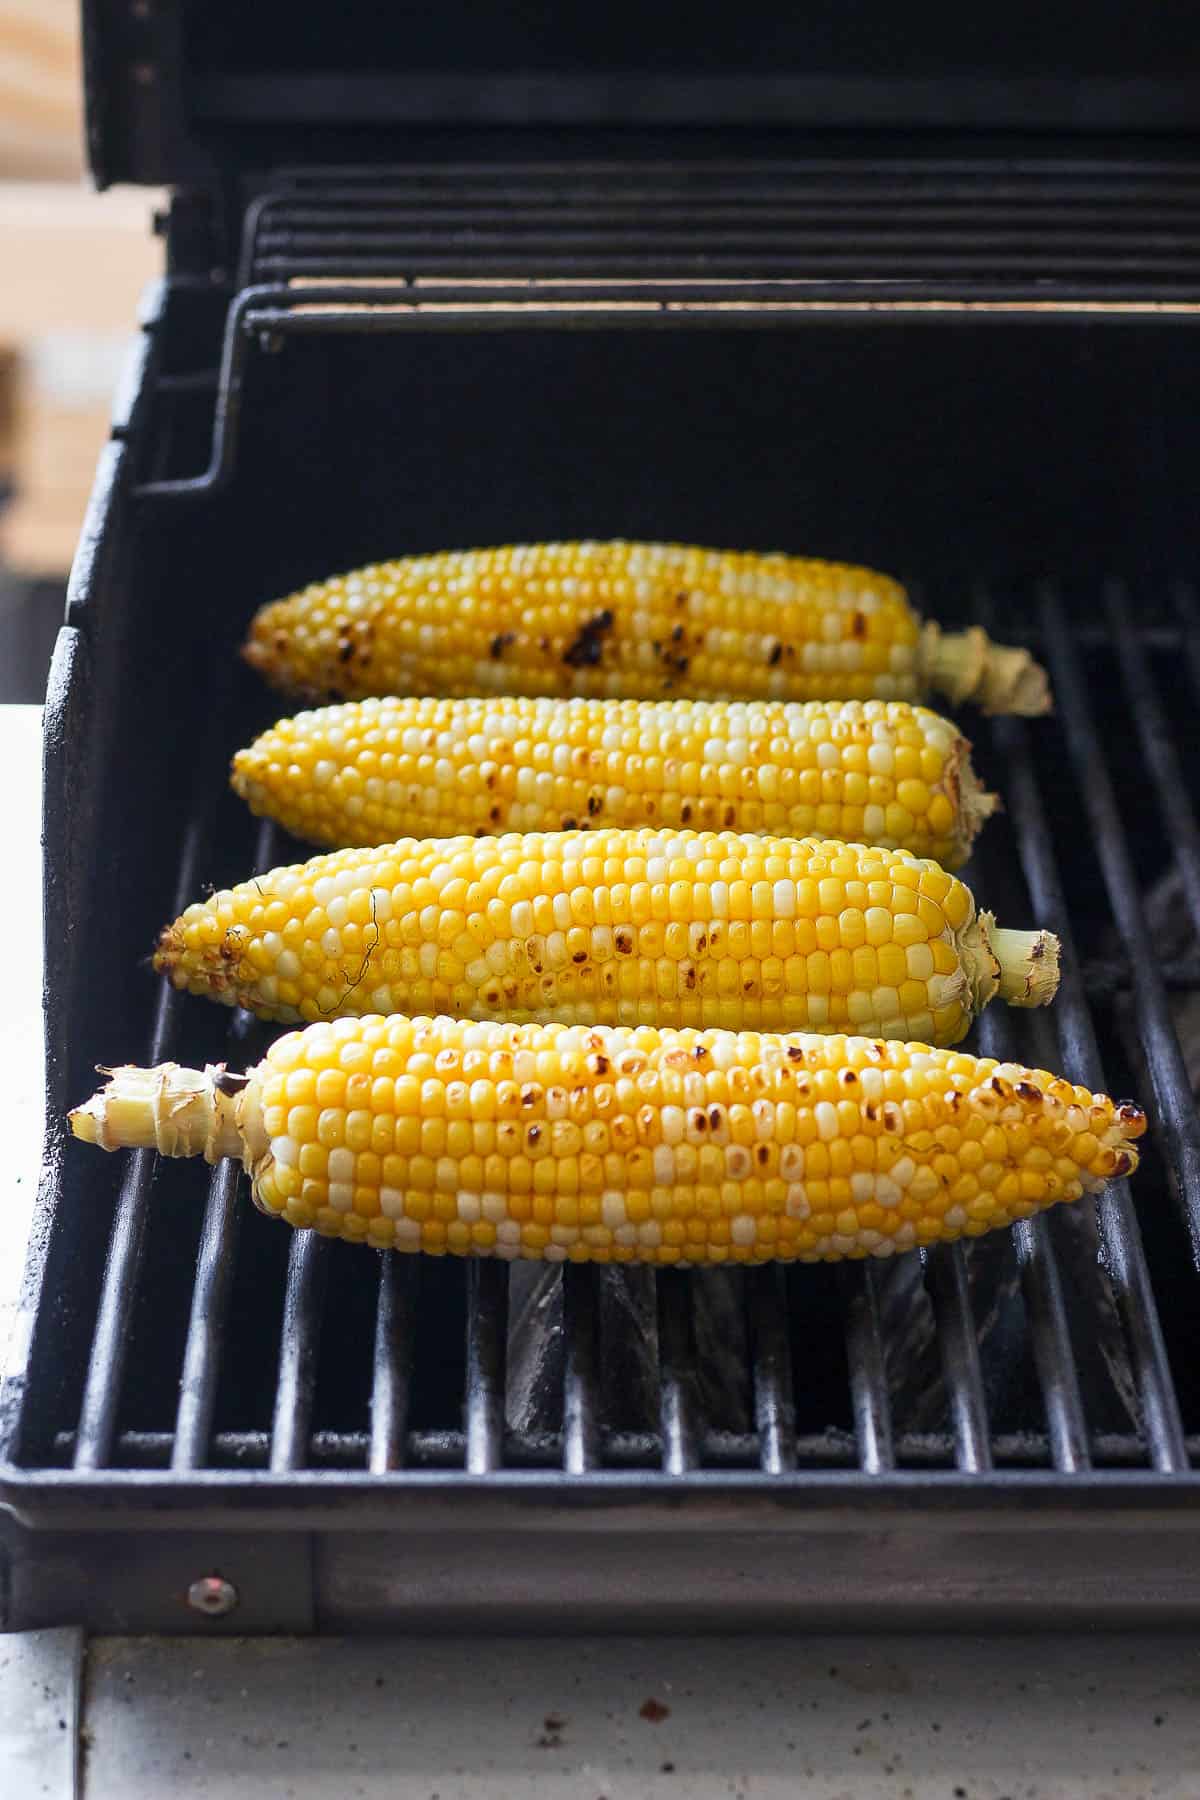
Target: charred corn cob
column 872, row 772
column 594, row 1145
column 615, row 928
column 627, row 621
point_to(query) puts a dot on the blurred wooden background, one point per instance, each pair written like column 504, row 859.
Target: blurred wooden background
column 72, row 266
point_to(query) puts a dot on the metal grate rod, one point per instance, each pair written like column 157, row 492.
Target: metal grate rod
column 581, row 1424
column 774, row 1403
column 868, row 1377
column 214, row 1268
column 1158, row 748
column 946, row 1279
column 102, row 1387
column 1177, row 1119
column 487, row 1336
column 210, row 1301
column 395, row 1327
column 680, row 1450
column 1041, row 1288
column 1125, row 1258
column 299, row 1340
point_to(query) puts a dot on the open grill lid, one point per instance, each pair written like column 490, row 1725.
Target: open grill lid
column 201, row 90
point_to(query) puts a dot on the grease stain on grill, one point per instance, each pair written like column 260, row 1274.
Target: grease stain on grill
column 654, row 1711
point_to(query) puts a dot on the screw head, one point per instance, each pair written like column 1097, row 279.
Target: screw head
column 212, row 1595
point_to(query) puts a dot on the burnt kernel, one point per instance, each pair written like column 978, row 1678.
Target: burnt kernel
column 534, row 1133
column 229, row 1084
column 624, row 942
column 685, row 811
column 530, row 1094
column 681, row 599
column 494, row 814
column 597, row 1064
column 500, row 644
column 795, row 1053
column 848, row 1078
column 1027, row 1091
column 588, row 646
column 579, row 956
column 858, row 625
column 714, row 1117
column 775, row 657
column 677, row 634
column 570, row 824
column 699, row 1122
column 345, row 651
column 763, row 1154
column 731, row 815
column 594, row 804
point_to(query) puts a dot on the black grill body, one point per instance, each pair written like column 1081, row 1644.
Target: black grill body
column 977, row 370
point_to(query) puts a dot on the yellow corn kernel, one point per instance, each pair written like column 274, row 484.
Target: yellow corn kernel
column 628, row 621
column 791, row 1174
column 368, row 922
column 370, row 771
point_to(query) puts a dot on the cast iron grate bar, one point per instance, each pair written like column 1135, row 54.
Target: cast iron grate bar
column 110, row 1338
column 1187, row 609
column 1177, row 1120
column 581, row 1424
column 676, row 1374
column 487, row 1334
column 210, row 1304
column 1041, row 1288
column 719, row 1451
column 214, row 1266
column 1158, row 748
column 299, row 1345
column 949, row 1290
column 391, row 1386
column 1125, row 1258
column 894, row 220
column 868, row 1377
column 771, row 1352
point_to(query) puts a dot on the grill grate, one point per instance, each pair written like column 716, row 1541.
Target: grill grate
column 961, row 224
column 808, row 1406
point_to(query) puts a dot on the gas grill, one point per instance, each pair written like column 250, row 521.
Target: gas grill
column 934, row 330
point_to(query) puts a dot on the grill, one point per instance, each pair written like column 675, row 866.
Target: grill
column 975, row 370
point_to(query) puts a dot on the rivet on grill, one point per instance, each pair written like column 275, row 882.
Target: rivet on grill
column 212, row 1595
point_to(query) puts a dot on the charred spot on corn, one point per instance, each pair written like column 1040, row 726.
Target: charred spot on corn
column 587, row 648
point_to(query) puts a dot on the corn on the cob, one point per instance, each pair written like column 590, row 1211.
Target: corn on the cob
column 594, row 1145
column 627, row 621
column 615, row 928
column 367, row 772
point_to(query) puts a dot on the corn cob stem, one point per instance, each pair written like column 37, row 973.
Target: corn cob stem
column 967, row 665
column 370, row 771
column 626, row 620
column 613, row 927
column 591, row 1144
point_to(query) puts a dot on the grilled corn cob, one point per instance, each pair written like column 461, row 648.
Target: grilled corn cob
column 627, row 621
column 872, row 772
column 593, row 1145
column 615, row 928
